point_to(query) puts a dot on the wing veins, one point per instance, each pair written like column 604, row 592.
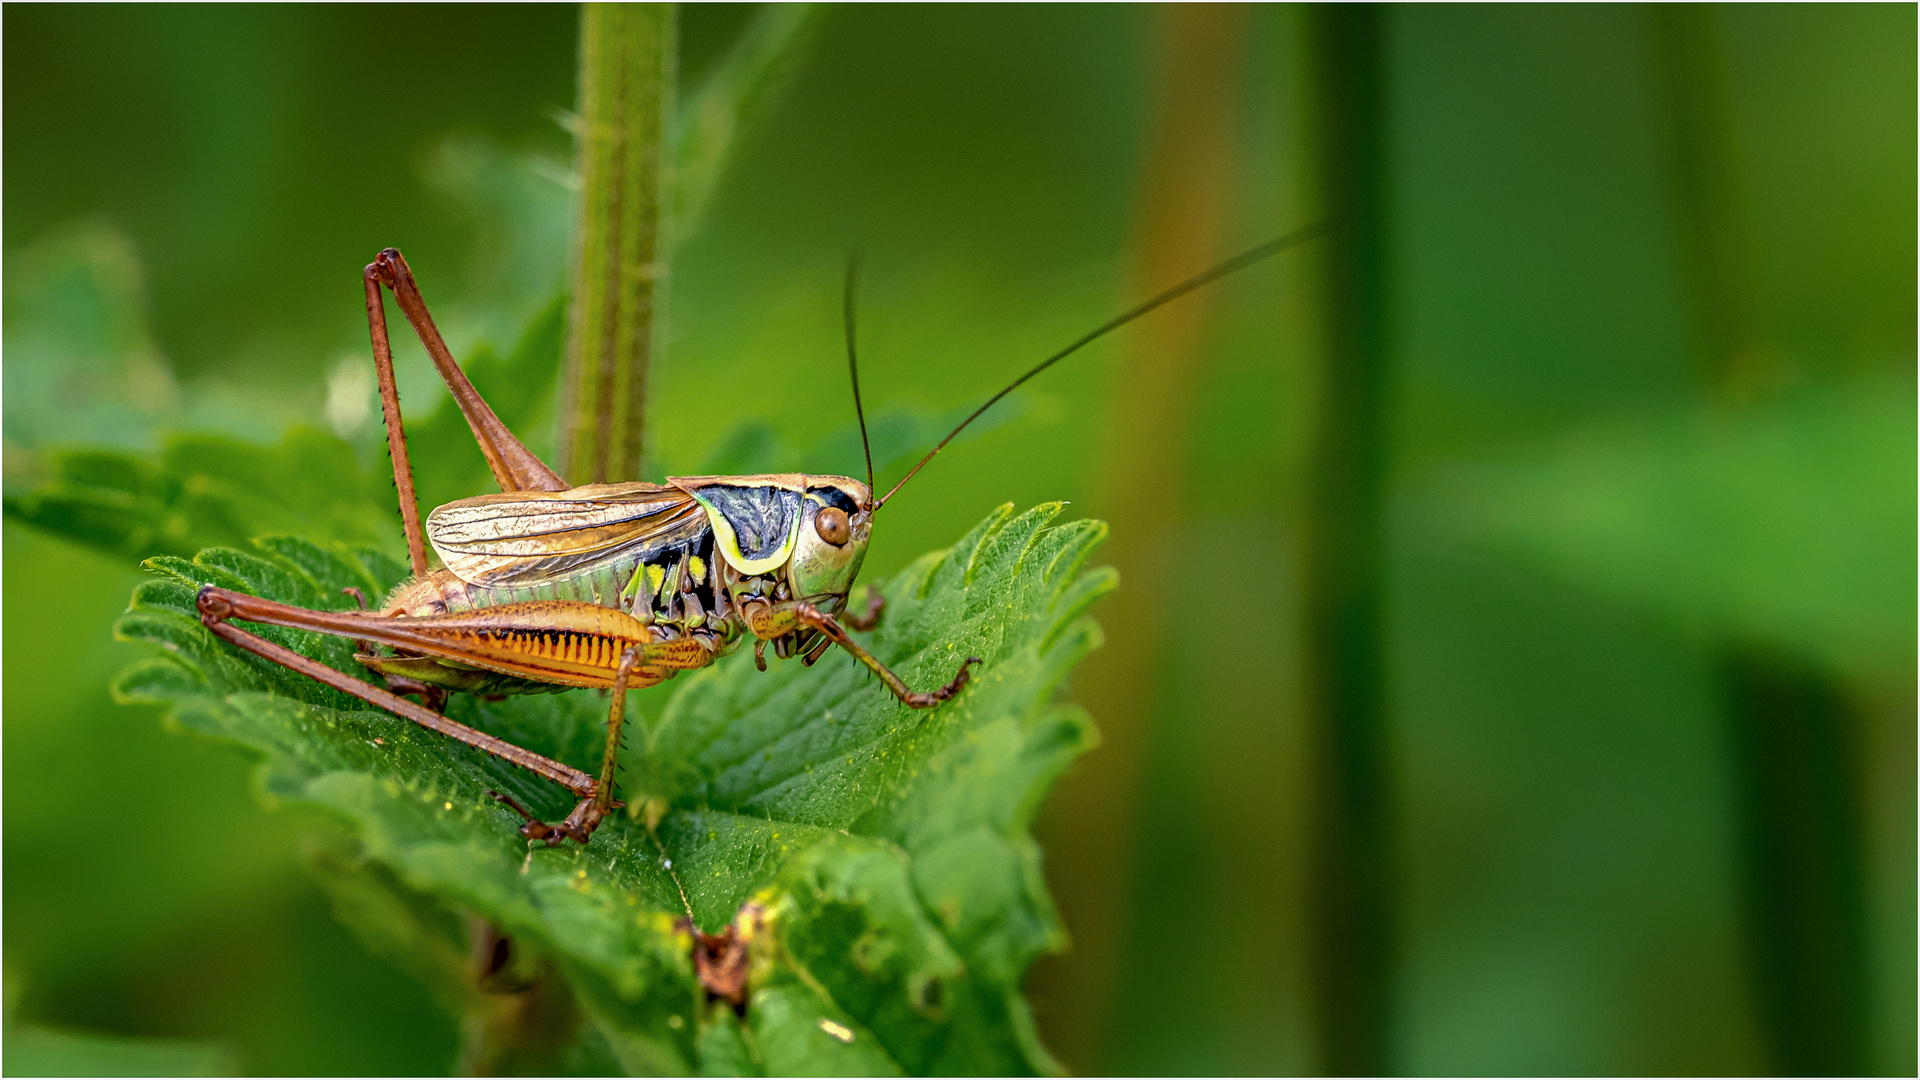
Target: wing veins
column 495, row 540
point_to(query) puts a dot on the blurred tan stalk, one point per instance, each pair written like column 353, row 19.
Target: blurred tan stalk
column 1091, row 826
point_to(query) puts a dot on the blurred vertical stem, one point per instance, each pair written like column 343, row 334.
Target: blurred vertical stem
column 1790, row 724
column 1801, row 861
column 1353, row 860
column 626, row 95
column 1715, row 251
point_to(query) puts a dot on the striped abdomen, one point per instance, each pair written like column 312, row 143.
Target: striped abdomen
column 558, row 643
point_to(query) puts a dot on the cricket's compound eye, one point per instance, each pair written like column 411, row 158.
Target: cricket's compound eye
column 831, row 524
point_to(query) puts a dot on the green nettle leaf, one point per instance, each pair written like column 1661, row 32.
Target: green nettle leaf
column 207, row 489
column 877, row 857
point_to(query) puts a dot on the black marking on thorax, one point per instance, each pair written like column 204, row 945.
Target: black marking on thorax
column 696, row 555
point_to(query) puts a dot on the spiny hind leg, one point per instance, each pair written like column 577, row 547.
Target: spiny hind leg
column 547, row 641
column 216, row 607
column 514, row 466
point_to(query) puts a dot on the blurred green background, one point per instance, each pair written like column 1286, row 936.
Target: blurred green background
column 1629, row 786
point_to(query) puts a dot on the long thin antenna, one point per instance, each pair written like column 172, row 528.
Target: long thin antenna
column 1238, row 262
column 853, row 363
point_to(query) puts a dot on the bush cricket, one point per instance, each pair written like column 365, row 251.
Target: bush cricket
column 613, row 586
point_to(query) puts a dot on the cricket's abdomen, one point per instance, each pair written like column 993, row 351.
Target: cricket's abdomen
column 557, row 642
column 439, row 592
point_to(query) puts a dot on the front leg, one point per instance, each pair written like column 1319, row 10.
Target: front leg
column 774, row 620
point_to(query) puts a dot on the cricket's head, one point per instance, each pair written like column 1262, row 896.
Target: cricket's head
column 836, row 518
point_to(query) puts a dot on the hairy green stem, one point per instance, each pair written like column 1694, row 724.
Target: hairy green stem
column 626, row 95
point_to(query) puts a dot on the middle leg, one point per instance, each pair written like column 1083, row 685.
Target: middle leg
column 593, row 809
